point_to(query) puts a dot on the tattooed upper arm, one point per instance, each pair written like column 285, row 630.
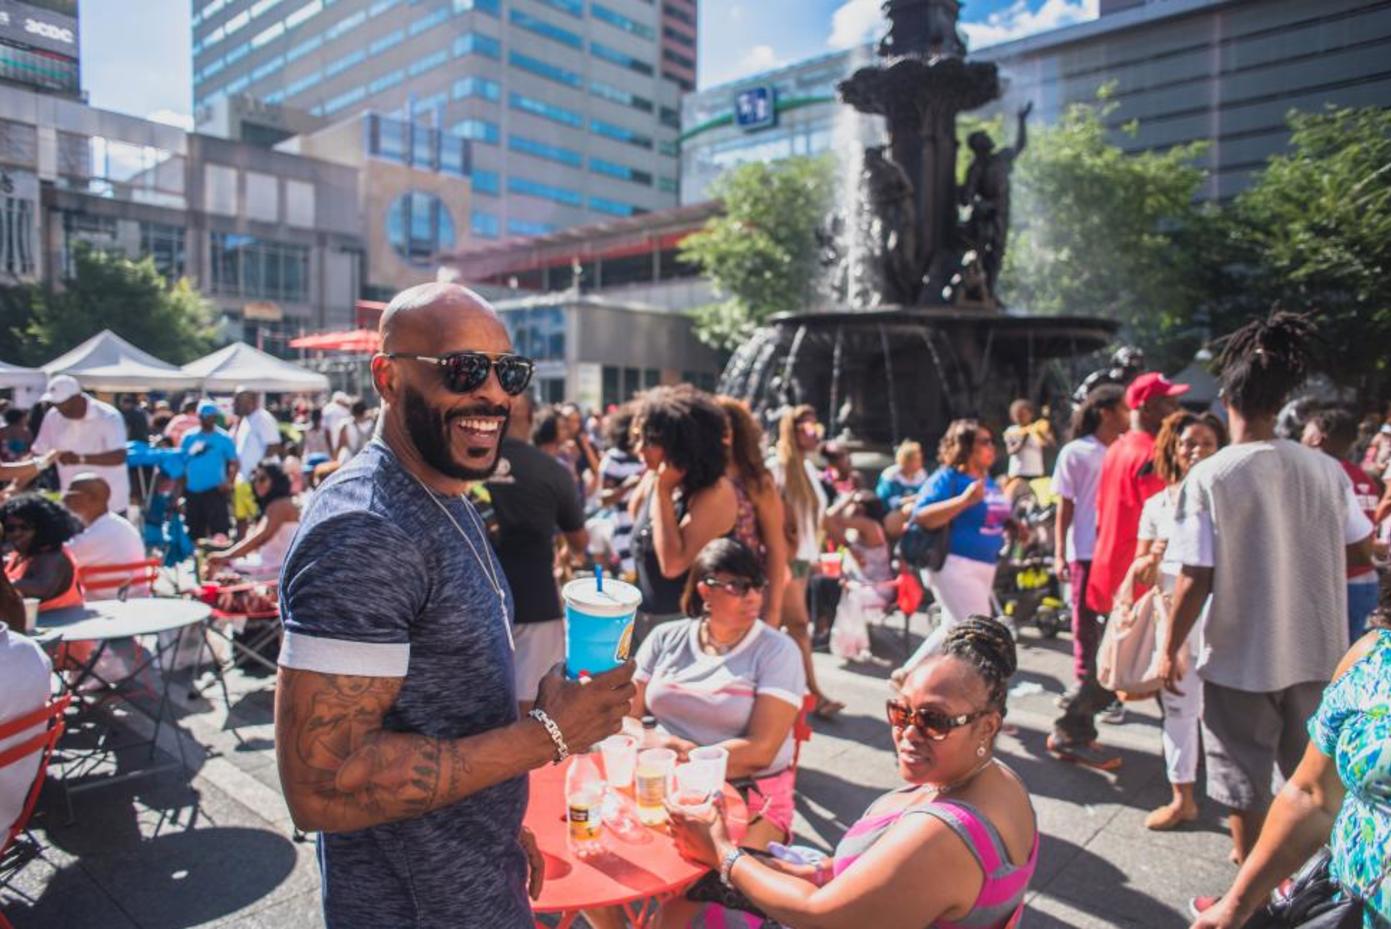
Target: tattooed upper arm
column 339, row 768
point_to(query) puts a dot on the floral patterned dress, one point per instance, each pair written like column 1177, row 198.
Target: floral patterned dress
column 1353, row 727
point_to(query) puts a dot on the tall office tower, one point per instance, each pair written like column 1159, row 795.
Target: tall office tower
column 679, row 42
column 567, row 103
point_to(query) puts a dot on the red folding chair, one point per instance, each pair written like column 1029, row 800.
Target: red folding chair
column 801, row 727
column 20, row 847
column 136, row 577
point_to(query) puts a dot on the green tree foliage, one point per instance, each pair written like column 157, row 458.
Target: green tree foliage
column 762, row 253
column 173, row 322
column 1102, row 232
column 1313, row 232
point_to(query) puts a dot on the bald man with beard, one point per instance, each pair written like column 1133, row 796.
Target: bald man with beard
column 398, row 734
column 108, row 539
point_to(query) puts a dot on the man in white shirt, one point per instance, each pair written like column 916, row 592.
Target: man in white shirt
column 109, row 538
column 88, row 435
column 257, row 436
column 25, row 670
column 338, row 409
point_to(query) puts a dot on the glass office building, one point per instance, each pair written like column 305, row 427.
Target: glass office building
column 571, row 106
column 1223, row 71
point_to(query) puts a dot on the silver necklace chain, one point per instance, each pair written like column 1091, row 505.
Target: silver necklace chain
column 488, row 572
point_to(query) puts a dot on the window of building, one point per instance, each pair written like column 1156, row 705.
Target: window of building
column 429, row 21
column 16, row 236
column 618, row 95
column 381, row 6
column 544, row 69
column 345, row 99
column 419, row 226
column 684, row 83
column 486, row 182
column 432, row 60
column 668, row 185
column 220, row 189
column 39, row 68
column 634, row 269
column 268, row 35
column 479, row 130
column 670, row 149
column 537, row 332
column 259, row 269
column 340, row 65
column 304, row 48
column 547, row 30
column 545, row 150
column 165, row 245
column 573, row 7
column 622, row 172
column 477, row 87
column 528, row 187
column 262, row 197
column 386, row 81
column 268, row 68
column 619, row 133
column 614, row 207
column 484, row 225
column 678, row 14
column 622, row 59
column 476, row 43
column 483, row 6
column 299, row 85
column 546, row 110
column 679, row 37
column 455, row 155
column 345, row 25
column 526, row 227
column 312, row 8
column 382, row 43
column 678, row 59
column 619, row 21
column 669, row 118
column 621, row 384
column 299, row 203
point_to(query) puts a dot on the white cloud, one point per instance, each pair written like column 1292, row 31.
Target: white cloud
column 759, row 58
column 1017, row 20
column 171, row 118
column 855, row 23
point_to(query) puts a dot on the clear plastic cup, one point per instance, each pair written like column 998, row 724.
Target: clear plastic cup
column 598, row 624
column 31, row 614
column 652, row 781
column 692, row 788
column 620, row 760
column 712, row 762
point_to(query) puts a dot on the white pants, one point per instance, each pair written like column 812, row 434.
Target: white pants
column 1182, row 716
column 539, row 647
column 962, row 589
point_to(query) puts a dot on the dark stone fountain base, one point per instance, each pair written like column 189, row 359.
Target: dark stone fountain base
column 877, row 377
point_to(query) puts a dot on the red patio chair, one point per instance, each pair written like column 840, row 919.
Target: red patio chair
column 12, row 857
column 123, row 578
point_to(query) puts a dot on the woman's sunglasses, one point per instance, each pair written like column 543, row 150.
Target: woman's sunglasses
column 465, row 372
column 739, row 586
column 933, row 725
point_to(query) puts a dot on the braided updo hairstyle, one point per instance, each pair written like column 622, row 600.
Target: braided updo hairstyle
column 986, row 645
column 1266, row 359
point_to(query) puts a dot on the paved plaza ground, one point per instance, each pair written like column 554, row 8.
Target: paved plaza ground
column 214, row 847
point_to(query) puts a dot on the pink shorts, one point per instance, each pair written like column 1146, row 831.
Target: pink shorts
column 770, row 798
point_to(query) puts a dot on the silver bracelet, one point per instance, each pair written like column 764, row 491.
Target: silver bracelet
column 727, row 866
column 562, row 751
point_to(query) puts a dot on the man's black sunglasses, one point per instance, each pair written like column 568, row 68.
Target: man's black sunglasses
column 465, row 372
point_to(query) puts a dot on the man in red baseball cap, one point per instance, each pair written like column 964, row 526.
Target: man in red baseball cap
column 1127, row 481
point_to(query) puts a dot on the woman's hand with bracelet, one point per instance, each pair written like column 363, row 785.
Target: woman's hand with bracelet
column 701, row 837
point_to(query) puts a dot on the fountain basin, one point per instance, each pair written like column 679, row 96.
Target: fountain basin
column 878, row 377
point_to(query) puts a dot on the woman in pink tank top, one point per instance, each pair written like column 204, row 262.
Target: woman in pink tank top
column 954, row 849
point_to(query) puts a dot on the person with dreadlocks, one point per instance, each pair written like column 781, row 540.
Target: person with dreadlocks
column 1267, row 527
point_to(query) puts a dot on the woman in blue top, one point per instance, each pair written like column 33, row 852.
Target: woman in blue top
column 1340, row 795
column 962, row 496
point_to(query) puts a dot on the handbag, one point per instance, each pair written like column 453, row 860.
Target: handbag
column 925, row 548
column 1127, row 660
column 1315, row 900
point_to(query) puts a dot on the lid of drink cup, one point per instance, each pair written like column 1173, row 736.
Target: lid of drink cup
column 616, row 599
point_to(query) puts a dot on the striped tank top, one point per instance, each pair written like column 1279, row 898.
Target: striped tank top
column 1001, row 898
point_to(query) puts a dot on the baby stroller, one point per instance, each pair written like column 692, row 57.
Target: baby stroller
column 1026, row 586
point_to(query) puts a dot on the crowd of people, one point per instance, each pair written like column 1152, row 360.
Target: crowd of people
column 422, row 546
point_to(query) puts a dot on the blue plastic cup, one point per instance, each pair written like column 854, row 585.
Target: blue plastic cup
column 598, row 624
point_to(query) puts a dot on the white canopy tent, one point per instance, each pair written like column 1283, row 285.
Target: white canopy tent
column 241, row 365
column 106, row 362
column 27, row 383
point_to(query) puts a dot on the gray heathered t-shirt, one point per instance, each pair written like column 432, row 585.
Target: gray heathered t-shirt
column 1272, row 519
column 707, row 699
column 379, row 583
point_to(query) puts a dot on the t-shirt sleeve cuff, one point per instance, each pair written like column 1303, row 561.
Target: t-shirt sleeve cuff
column 342, row 656
column 786, row 696
column 642, row 677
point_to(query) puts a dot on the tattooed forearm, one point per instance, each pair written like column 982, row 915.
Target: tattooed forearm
column 341, row 770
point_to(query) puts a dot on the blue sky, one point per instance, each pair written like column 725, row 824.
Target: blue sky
column 136, row 52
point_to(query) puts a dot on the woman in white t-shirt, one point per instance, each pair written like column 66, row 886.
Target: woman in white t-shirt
column 1184, row 440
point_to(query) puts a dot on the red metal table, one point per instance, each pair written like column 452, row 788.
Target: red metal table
column 628, row 874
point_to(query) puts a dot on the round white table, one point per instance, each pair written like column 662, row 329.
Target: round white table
column 104, row 620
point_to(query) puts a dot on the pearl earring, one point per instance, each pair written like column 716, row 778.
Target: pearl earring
column 980, row 752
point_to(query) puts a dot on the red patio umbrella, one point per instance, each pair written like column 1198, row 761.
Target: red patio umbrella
column 357, row 341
